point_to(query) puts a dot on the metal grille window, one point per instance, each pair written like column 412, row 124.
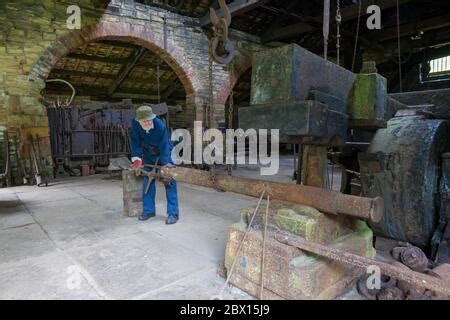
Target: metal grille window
column 439, row 67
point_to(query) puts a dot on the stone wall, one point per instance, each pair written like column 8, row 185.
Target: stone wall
column 27, row 28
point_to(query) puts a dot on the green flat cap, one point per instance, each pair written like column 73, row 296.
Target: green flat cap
column 145, row 113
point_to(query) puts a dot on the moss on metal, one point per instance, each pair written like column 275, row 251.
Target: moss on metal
column 291, row 221
column 368, row 101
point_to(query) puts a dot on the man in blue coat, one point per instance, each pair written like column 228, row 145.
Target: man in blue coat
column 150, row 144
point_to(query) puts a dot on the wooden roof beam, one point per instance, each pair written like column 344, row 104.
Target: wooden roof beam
column 126, row 70
column 194, row 7
column 119, row 61
column 348, row 13
column 63, row 73
column 86, row 57
column 278, row 19
column 237, row 7
column 413, row 28
column 58, row 73
column 96, row 91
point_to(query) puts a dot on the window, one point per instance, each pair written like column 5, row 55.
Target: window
column 435, row 70
column 439, row 67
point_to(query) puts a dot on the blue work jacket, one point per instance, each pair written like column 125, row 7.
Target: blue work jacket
column 152, row 145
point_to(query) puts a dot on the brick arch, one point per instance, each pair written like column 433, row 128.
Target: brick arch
column 242, row 65
column 137, row 34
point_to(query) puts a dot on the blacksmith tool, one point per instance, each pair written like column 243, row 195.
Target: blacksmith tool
column 154, row 174
column 41, row 179
column 26, row 177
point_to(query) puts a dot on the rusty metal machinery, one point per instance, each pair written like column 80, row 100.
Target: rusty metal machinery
column 440, row 286
column 305, row 98
column 435, row 102
column 313, row 102
column 403, row 166
column 421, row 199
column 316, row 103
column 441, row 238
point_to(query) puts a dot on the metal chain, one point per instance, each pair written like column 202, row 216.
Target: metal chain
column 210, row 108
column 210, row 120
column 158, row 75
column 399, row 48
column 231, row 109
column 231, row 103
column 212, row 176
column 338, row 28
column 357, row 35
column 326, row 27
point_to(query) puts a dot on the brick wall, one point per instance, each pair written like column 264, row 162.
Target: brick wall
column 34, row 36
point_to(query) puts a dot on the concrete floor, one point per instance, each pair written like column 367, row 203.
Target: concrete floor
column 49, row 234
column 72, row 241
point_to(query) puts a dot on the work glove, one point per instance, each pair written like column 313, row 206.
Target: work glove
column 136, row 166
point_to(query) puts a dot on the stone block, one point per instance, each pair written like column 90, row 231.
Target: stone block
column 15, row 50
column 300, row 220
column 49, row 36
column 332, row 102
column 14, row 105
column 15, row 120
column 290, row 72
column 143, row 15
column 312, row 119
column 436, row 102
column 368, row 103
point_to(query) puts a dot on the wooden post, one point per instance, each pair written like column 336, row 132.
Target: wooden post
column 315, row 162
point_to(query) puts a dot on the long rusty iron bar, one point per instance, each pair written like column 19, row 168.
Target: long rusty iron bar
column 417, row 279
column 327, row 201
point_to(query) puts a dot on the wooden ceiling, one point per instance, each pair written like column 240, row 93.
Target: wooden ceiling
column 424, row 30
column 190, row 8
column 423, row 23
column 115, row 70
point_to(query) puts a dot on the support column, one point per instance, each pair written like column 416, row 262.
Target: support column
column 315, row 162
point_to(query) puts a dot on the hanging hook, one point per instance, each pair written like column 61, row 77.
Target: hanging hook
column 221, row 48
